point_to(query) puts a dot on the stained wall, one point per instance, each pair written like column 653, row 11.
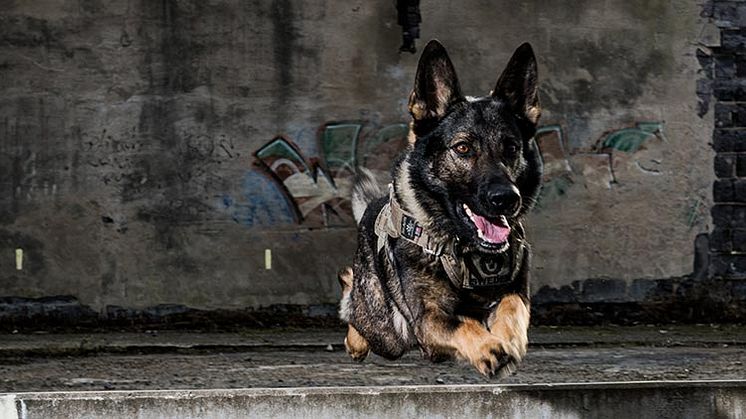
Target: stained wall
column 199, row 152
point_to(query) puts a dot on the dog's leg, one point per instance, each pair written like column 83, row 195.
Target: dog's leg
column 442, row 334
column 509, row 323
column 355, row 344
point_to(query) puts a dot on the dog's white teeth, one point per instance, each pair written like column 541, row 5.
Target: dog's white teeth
column 468, row 210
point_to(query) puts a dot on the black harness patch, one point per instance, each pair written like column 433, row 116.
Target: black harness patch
column 410, row 229
column 488, row 270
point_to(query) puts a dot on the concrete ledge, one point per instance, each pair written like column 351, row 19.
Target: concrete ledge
column 315, row 339
column 651, row 399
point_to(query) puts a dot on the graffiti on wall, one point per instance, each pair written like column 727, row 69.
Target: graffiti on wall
column 316, row 189
column 288, row 186
column 599, row 166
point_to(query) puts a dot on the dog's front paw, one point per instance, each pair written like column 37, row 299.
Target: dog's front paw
column 489, row 357
column 514, row 345
column 488, row 353
column 509, row 323
column 514, row 340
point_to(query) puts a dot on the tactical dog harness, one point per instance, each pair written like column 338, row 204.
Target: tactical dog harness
column 465, row 270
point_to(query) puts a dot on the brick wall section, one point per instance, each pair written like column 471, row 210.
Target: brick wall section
column 727, row 73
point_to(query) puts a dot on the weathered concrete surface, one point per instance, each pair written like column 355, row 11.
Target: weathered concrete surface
column 128, row 131
column 721, row 399
column 42, row 343
column 312, row 358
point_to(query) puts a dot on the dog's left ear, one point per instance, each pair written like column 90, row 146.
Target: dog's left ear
column 518, row 84
column 436, row 86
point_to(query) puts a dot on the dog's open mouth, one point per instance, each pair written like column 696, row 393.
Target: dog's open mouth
column 493, row 233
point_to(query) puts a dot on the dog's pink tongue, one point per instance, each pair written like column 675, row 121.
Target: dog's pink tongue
column 494, row 233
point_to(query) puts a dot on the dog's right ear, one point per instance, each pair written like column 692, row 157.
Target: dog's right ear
column 436, row 86
column 518, row 84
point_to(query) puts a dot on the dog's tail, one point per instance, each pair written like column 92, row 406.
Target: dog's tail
column 364, row 191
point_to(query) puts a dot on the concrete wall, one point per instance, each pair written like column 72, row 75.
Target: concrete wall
column 161, row 151
column 661, row 399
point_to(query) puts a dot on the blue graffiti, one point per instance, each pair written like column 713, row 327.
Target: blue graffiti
column 260, row 203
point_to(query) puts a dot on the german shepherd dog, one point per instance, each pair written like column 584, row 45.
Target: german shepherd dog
column 442, row 260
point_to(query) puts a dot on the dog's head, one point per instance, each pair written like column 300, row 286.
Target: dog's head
column 473, row 170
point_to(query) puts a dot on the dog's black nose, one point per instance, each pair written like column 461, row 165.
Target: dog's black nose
column 504, row 199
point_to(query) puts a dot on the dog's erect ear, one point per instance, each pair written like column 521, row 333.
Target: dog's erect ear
column 518, row 84
column 435, row 85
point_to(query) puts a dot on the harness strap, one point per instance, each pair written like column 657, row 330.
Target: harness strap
column 397, row 223
column 455, row 270
column 392, row 221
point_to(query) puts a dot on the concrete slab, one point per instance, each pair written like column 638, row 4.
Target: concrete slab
column 50, row 344
column 658, row 399
column 314, row 357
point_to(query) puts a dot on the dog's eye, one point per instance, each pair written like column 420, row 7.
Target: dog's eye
column 462, row 148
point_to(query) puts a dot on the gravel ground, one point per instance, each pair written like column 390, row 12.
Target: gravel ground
column 177, row 360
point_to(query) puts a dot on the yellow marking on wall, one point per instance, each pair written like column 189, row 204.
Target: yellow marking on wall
column 19, row 259
column 267, row 259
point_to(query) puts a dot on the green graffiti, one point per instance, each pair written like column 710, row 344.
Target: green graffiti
column 279, row 148
column 630, row 140
column 338, row 143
